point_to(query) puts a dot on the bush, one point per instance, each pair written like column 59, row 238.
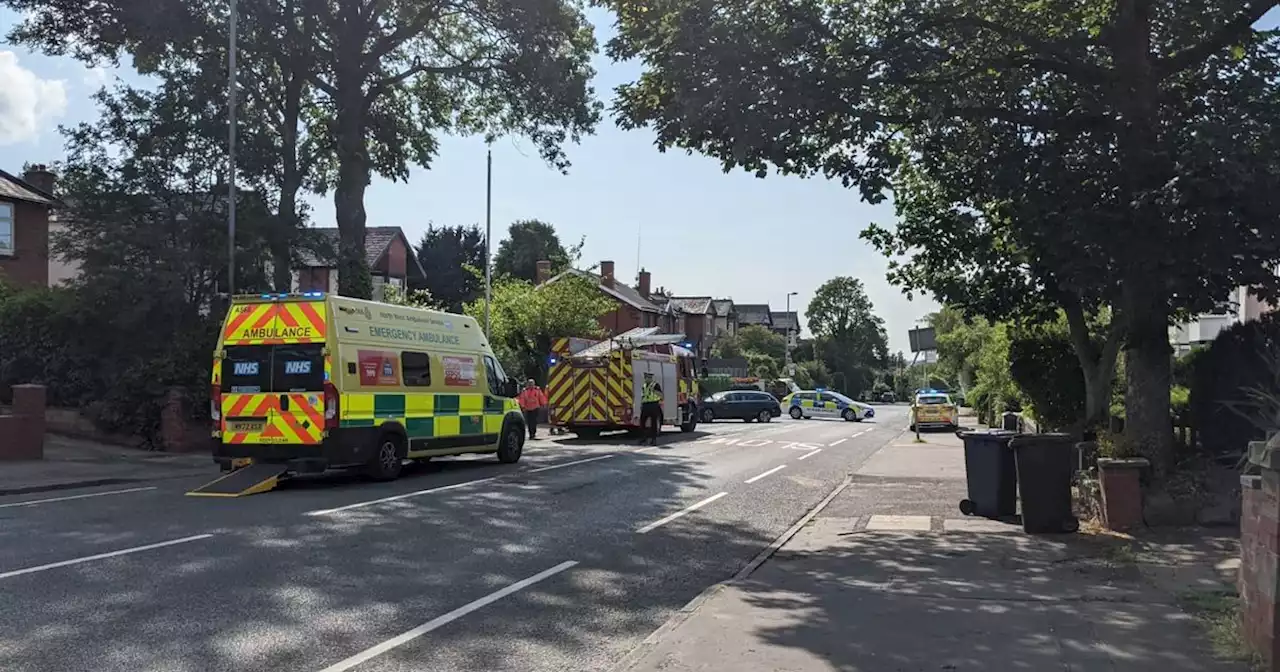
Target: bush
column 1045, row 369
column 1179, row 399
column 1222, row 377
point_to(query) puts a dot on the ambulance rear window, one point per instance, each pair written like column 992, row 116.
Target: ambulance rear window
column 273, row 368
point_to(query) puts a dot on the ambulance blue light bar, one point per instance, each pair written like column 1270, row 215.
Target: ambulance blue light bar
column 285, row 295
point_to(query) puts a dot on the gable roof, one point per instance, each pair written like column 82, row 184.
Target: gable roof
column 376, row 241
column 723, row 307
column 18, row 189
column 754, row 313
column 784, row 320
column 618, row 291
column 694, row 305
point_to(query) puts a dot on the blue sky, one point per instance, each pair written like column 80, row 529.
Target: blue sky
column 700, row 231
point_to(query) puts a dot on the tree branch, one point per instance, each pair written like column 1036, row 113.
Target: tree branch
column 383, row 85
column 1233, row 30
column 1053, row 55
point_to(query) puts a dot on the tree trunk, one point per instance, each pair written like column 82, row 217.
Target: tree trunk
column 1148, row 369
column 1097, row 364
column 286, row 233
column 353, row 168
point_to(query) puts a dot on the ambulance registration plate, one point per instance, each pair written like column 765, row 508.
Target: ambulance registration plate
column 239, row 426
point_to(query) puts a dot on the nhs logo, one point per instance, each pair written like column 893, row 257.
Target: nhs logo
column 297, row 367
column 246, row 369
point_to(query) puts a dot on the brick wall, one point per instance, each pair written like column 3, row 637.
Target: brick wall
column 30, row 261
column 394, row 262
column 623, row 318
column 1259, row 550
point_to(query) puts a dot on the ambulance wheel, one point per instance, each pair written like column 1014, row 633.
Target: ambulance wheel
column 512, row 445
column 796, row 413
column 388, row 460
column 849, row 415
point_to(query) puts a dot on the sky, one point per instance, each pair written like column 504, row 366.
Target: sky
column 698, row 230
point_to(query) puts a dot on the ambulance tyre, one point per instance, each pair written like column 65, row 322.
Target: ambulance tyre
column 512, row 445
column 796, row 413
column 388, row 459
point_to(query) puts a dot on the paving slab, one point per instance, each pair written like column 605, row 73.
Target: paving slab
column 899, row 523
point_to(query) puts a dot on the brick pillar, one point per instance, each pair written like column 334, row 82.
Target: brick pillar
column 1259, row 550
column 22, row 434
column 173, row 422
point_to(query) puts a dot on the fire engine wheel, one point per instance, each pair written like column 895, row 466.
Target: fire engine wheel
column 691, row 422
column 796, row 413
column 388, row 460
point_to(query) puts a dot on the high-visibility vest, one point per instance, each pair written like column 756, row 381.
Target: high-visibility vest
column 651, row 393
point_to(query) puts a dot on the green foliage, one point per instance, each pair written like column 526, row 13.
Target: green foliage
column 759, row 340
column 1226, row 381
column 994, row 391
column 1179, row 399
column 528, row 242
column 762, row 365
column 414, row 298
column 812, row 374
column 709, row 385
column 851, row 339
column 1184, row 367
column 449, row 252
column 960, row 343
column 1043, row 365
column 526, row 319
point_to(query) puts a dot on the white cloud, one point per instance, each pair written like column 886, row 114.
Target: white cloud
column 95, row 78
column 28, row 104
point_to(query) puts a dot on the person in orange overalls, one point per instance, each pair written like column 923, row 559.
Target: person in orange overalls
column 532, row 400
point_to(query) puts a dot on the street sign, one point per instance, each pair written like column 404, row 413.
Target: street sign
column 923, row 339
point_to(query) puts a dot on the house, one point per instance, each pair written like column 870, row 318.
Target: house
column 634, row 307
column 699, row 321
column 27, row 204
column 726, row 318
column 391, row 260
column 1242, row 305
column 754, row 314
column 785, row 323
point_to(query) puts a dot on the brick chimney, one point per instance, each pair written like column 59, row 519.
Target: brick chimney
column 606, row 273
column 40, row 177
column 643, row 287
column 544, row 271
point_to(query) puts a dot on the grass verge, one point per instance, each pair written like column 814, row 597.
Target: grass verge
column 1219, row 614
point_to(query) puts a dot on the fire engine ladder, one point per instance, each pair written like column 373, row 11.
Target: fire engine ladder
column 247, row 480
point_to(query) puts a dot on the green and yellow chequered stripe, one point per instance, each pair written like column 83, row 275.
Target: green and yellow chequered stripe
column 429, row 416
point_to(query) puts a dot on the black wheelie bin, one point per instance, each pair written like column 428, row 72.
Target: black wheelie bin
column 990, row 473
column 1044, row 478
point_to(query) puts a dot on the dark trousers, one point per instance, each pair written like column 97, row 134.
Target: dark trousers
column 650, row 420
column 531, row 421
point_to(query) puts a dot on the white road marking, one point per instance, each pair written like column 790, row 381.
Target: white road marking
column 407, row 495
column 888, row 523
column 440, row 621
column 71, row 497
column 836, row 443
column 102, row 556
column 808, row 455
column 569, row 464
column 774, row 470
column 754, row 443
column 682, row 512
column 857, row 434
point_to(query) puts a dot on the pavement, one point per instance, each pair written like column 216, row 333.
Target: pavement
column 567, row 560
column 74, row 463
column 890, row 577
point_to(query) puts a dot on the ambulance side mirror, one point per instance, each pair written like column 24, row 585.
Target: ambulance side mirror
column 510, row 388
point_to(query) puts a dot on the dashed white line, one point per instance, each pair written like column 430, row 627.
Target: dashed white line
column 569, row 464
column 809, row 454
column 71, row 497
column 857, row 434
column 407, row 495
column 103, row 556
column 682, row 512
column 776, row 469
column 440, row 621
column 836, row 443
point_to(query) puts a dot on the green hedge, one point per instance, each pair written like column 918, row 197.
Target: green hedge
column 1221, row 378
column 1045, row 368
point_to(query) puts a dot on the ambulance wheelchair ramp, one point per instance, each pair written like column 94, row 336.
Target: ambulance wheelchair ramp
column 249, row 480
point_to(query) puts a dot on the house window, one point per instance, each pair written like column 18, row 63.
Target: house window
column 6, row 229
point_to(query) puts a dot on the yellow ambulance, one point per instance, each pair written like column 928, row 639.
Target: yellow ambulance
column 303, row 383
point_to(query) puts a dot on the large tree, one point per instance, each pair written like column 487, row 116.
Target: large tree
column 529, row 241
column 450, row 255
column 391, row 74
column 851, row 337
column 1101, row 154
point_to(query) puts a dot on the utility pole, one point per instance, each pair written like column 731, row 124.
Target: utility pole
column 231, row 153
column 790, row 323
column 488, row 239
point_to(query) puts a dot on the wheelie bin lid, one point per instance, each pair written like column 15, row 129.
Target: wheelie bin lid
column 981, row 434
column 1043, row 439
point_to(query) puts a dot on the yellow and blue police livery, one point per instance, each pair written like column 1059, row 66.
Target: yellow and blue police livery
column 933, row 408
column 822, row 403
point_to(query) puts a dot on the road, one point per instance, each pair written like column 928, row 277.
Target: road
column 565, row 561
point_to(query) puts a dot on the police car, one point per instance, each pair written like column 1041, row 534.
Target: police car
column 932, row 408
column 825, row 404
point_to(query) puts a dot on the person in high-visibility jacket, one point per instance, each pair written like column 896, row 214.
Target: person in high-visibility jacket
column 650, row 410
column 532, row 400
